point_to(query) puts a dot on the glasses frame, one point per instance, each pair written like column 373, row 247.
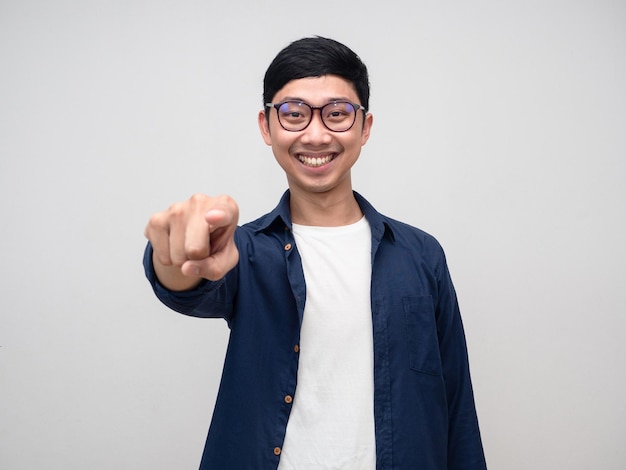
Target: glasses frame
column 357, row 107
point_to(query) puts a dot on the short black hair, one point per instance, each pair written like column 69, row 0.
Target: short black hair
column 315, row 57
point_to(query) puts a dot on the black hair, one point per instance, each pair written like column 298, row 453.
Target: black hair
column 315, row 57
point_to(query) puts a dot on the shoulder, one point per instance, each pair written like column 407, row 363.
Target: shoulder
column 406, row 233
column 415, row 243
column 396, row 231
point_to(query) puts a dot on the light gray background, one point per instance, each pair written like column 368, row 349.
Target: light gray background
column 499, row 128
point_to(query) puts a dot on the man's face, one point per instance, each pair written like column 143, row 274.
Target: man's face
column 316, row 159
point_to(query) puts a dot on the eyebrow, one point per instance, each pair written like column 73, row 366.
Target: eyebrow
column 328, row 100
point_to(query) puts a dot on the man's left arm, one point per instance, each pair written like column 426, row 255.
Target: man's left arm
column 465, row 450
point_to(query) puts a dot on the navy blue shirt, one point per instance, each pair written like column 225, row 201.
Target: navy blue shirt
column 424, row 412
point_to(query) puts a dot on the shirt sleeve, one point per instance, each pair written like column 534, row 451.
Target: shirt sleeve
column 465, row 450
column 210, row 299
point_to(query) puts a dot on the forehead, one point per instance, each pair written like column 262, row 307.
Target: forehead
column 318, row 90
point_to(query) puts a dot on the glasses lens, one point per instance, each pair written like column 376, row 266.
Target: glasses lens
column 338, row 115
column 294, row 115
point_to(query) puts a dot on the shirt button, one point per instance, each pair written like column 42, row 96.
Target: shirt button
column 288, row 399
column 276, row 450
column 296, row 348
column 288, row 247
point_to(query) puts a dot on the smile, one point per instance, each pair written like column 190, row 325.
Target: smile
column 315, row 161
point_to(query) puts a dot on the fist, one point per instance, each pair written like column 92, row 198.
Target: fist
column 194, row 239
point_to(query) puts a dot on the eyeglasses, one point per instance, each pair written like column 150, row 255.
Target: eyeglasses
column 295, row 116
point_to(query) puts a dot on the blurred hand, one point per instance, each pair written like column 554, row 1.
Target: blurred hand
column 194, row 239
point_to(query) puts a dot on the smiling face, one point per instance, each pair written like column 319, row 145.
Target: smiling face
column 316, row 160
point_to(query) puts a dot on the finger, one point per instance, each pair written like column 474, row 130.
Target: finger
column 216, row 218
column 197, row 242
column 214, row 267
column 157, row 233
column 173, row 223
column 223, row 212
column 222, row 227
column 177, row 238
column 221, row 218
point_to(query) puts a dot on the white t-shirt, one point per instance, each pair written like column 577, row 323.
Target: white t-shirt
column 331, row 425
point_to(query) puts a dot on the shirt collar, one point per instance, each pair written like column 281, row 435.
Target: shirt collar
column 281, row 217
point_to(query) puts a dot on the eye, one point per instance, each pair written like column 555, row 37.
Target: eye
column 284, row 108
column 338, row 111
column 292, row 111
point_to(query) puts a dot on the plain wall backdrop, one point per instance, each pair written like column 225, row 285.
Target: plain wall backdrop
column 499, row 127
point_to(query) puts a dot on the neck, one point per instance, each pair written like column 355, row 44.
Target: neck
column 324, row 210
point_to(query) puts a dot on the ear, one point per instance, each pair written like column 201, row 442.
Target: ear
column 264, row 127
column 368, row 121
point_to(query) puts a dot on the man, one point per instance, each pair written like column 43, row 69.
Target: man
column 346, row 348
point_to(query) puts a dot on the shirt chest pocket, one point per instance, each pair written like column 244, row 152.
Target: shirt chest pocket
column 421, row 334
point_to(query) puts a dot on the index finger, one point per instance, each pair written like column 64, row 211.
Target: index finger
column 224, row 214
column 217, row 218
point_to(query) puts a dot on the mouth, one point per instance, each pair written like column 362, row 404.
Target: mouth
column 315, row 161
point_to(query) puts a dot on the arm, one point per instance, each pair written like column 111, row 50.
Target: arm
column 209, row 299
column 465, row 449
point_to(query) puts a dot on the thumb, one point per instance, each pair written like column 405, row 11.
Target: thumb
column 214, row 267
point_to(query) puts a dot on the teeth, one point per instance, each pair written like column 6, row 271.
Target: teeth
column 315, row 161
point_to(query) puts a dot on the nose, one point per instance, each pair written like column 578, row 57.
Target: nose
column 316, row 133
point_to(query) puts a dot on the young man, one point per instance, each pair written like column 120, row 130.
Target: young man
column 346, row 348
